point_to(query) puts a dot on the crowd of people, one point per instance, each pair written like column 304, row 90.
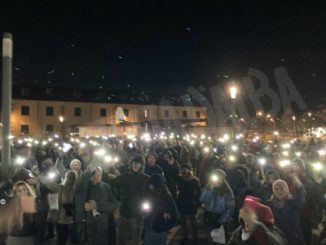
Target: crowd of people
column 129, row 190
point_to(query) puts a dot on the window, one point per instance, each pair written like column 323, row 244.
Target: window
column 198, row 114
column 49, row 128
column 49, row 111
column 24, row 129
column 166, row 114
column 103, row 112
column 126, row 112
column 77, row 111
column 25, row 110
column 184, row 114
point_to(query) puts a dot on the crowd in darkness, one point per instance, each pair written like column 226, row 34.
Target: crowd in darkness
column 128, row 190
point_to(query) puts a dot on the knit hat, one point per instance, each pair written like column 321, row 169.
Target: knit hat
column 156, row 180
column 138, row 158
column 281, row 182
column 264, row 213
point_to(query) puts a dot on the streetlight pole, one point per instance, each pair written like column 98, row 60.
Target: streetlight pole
column 294, row 126
column 7, row 49
column 233, row 96
column 62, row 127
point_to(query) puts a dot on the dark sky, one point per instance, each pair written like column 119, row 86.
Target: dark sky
column 165, row 46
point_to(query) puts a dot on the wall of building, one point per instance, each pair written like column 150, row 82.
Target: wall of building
column 37, row 120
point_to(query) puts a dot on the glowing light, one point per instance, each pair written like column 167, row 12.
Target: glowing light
column 116, row 159
column 61, row 118
column 20, row 160
column 52, row 175
column 262, row 161
column 322, row 152
column 206, row 149
column 214, row 178
column 286, row 146
column 108, row 158
column 20, row 141
column 232, row 158
column 317, row 166
column 285, row 153
column 99, row 152
column 234, row 148
column 146, row 206
column 82, row 144
column 298, row 154
column 233, row 92
column 284, row 163
column 276, row 133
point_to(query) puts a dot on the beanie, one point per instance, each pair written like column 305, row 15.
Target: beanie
column 264, row 213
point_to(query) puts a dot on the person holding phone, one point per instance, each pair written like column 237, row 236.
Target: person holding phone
column 21, row 210
column 218, row 201
column 256, row 225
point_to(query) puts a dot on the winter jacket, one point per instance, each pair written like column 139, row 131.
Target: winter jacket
column 97, row 228
column 287, row 217
column 130, row 189
column 153, row 170
column 162, row 205
column 222, row 205
column 189, row 193
column 262, row 235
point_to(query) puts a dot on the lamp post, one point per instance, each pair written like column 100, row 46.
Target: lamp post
column 233, row 96
column 294, row 125
column 62, row 126
column 310, row 125
column 7, row 48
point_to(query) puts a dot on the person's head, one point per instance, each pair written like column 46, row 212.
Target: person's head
column 151, row 159
column 270, row 177
column 22, row 189
column 70, row 177
column 252, row 206
column 217, row 178
column 97, row 175
column 167, row 155
column 281, row 190
column 185, row 170
column 137, row 163
column 155, row 182
column 75, row 164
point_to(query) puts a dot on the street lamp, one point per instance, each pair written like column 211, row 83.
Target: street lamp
column 62, row 126
column 233, row 95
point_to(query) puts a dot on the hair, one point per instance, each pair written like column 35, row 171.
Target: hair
column 169, row 153
column 22, row 183
column 74, row 172
column 14, row 211
column 152, row 153
column 75, row 160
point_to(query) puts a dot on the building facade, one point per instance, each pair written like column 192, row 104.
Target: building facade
column 37, row 117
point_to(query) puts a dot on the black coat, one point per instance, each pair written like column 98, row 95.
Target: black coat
column 162, row 204
column 189, row 193
column 130, row 189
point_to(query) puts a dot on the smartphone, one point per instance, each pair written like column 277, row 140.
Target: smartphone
column 66, row 147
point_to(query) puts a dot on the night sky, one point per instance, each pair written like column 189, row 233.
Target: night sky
column 166, row 46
